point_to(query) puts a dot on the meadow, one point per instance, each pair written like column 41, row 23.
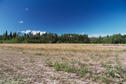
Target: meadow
column 62, row 64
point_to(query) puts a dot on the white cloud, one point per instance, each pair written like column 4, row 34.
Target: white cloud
column 26, row 9
column 33, row 32
column 36, row 32
column 97, row 35
column 21, row 22
column 26, row 32
column 94, row 35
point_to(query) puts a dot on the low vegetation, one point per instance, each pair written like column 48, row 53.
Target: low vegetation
column 62, row 64
column 110, row 74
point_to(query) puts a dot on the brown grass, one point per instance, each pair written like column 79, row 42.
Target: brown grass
column 74, row 47
column 62, row 63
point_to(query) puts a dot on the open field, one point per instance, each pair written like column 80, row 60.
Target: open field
column 62, row 64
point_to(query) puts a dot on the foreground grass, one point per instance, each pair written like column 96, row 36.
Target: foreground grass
column 16, row 80
column 62, row 64
column 110, row 74
column 81, row 71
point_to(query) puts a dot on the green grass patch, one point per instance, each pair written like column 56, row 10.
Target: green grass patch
column 63, row 67
column 82, row 71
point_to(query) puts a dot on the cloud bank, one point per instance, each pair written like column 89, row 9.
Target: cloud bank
column 21, row 22
column 33, row 32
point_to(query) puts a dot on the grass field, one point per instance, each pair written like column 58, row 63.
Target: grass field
column 62, row 64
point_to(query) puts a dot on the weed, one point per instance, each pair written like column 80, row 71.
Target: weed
column 31, row 59
column 102, row 79
column 92, row 56
column 115, row 71
column 118, row 69
column 103, row 64
column 82, row 71
column 117, row 59
column 110, row 71
column 63, row 67
column 57, row 66
column 39, row 54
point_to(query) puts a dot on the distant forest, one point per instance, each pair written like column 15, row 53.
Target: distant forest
column 64, row 38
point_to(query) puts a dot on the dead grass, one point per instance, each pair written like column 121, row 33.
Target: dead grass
column 62, row 64
column 73, row 47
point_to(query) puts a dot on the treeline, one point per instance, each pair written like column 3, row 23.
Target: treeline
column 64, row 38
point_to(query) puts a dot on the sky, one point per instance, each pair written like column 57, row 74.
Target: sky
column 93, row 17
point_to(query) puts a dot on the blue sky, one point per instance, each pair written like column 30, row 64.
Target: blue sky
column 64, row 16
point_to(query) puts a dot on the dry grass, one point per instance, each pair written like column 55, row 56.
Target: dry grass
column 76, row 47
column 62, row 64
